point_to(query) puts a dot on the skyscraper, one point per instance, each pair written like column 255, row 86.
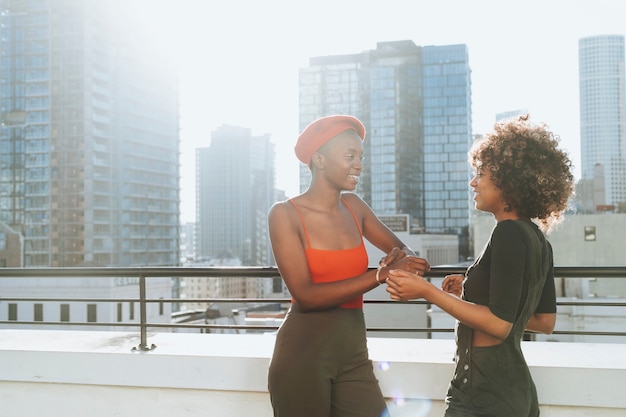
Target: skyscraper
column 415, row 102
column 89, row 137
column 234, row 192
column 603, row 117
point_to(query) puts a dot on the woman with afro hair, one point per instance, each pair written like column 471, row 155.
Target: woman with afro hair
column 524, row 179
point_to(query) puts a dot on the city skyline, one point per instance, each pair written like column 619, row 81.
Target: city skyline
column 239, row 61
column 411, row 154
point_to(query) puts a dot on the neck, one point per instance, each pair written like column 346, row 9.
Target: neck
column 322, row 200
column 506, row 215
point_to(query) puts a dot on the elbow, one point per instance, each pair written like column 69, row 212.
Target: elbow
column 548, row 322
column 542, row 323
column 306, row 304
column 503, row 334
column 545, row 329
column 541, row 328
column 503, row 330
column 549, row 329
column 305, row 307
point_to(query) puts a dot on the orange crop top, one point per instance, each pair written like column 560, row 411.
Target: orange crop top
column 336, row 265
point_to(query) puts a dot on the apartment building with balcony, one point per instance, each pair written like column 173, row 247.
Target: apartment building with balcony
column 89, row 136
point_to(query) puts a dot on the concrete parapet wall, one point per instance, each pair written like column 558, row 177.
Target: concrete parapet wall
column 77, row 374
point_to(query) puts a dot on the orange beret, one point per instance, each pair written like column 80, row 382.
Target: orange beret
column 321, row 131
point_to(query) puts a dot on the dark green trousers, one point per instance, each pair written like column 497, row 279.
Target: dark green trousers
column 321, row 368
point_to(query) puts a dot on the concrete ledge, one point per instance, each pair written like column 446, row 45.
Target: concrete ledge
column 226, row 374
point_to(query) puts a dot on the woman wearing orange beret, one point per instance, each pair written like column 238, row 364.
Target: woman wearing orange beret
column 320, row 366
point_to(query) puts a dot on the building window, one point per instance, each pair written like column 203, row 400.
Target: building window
column 119, row 312
column 38, row 312
column 131, row 310
column 92, row 316
column 161, row 308
column 65, row 312
column 13, row 312
column 590, row 233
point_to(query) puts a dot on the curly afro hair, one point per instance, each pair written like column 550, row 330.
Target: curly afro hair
column 527, row 165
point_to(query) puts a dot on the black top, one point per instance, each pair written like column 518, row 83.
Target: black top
column 514, row 277
column 516, row 253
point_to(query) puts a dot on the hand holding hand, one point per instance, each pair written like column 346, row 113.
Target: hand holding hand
column 395, row 254
column 398, row 259
column 404, row 286
column 411, row 264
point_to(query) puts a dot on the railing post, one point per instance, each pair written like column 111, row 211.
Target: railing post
column 143, row 317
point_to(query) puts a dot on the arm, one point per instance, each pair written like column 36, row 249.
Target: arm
column 542, row 323
column 377, row 233
column 406, row 286
column 544, row 318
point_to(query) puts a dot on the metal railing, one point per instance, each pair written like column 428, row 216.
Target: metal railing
column 143, row 273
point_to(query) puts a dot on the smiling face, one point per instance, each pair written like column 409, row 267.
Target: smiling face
column 341, row 160
column 487, row 197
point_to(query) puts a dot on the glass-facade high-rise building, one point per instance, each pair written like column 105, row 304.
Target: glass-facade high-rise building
column 234, row 192
column 89, row 136
column 415, row 102
column 603, row 117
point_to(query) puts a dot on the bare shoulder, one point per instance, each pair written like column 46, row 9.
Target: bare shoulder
column 284, row 227
column 280, row 205
column 353, row 200
column 357, row 204
column 279, row 209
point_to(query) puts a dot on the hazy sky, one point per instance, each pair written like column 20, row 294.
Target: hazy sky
column 239, row 60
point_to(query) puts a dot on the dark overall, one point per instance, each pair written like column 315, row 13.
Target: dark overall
column 320, row 366
column 495, row 381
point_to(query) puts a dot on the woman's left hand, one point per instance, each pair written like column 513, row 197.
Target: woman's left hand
column 453, row 284
column 395, row 255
